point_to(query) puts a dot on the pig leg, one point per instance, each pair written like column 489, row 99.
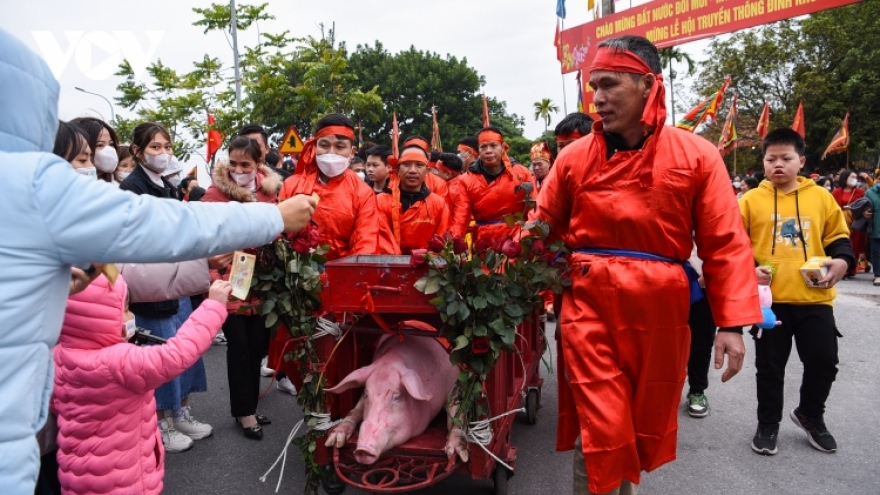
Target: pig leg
column 455, row 442
column 344, row 430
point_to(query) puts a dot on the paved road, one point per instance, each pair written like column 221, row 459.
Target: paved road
column 713, row 455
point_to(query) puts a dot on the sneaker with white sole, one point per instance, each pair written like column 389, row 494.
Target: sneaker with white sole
column 173, row 440
column 285, row 385
column 220, row 339
column 265, row 370
column 817, row 433
column 191, row 427
column 765, row 438
column 698, row 405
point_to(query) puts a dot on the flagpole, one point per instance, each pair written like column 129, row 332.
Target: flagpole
column 564, row 97
column 734, row 158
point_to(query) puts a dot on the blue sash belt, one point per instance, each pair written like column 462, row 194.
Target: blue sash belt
column 696, row 292
column 480, row 223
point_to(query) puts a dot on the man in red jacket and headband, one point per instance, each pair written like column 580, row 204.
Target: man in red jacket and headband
column 629, row 200
column 411, row 212
column 573, row 127
column 346, row 214
column 491, row 190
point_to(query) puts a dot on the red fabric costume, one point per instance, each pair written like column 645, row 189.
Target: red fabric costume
column 346, row 213
column 624, row 321
column 417, row 224
column 488, row 202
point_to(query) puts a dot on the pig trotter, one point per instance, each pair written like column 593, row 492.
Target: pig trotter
column 340, row 433
column 456, row 444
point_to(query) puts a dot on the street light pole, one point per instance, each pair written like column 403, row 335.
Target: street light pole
column 112, row 113
column 234, row 28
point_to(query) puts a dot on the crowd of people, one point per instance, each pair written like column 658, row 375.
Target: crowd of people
column 117, row 409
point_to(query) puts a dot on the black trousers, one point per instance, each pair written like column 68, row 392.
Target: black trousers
column 247, row 341
column 815, row 335
column 702, row 341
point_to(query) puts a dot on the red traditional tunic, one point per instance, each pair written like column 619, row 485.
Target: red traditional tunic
column 488, row 202
column 624, row 321
column 417, row 224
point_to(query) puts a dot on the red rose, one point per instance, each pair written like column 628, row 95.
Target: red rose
column 418, row 257
column 436, row 244
column 459, row 246
column 538, row 247
column 300, row 245
column 314, row 237
column 498, row 244
column 483, row 245
column 511, row 248
column 480, row 345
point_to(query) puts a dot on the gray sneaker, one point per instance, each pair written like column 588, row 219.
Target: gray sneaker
column 698, row 405
column 191, row 427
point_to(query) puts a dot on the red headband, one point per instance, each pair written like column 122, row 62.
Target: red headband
column 441, row 165
column 570, row 136
column 490, row 137
column 654, row 115
column 412, row 155
column 335, row 130
column 462, row 148
column 418, row 143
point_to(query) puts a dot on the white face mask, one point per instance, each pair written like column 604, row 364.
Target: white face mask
column 362, row 175
column 121, row 176
column 737, row 184
column 852, row 182
column 828, row 187
column 88, row 172
column 331, row 164
column 106, row 159
column 243, row 179
column 158, row 163
column 130, row 328
column 174, row 179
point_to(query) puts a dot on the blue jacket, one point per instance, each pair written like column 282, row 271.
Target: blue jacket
column 54, row 218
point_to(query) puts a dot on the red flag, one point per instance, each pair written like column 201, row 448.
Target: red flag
column 395, row 137
column 485, row 111
column 799, row 126
column 728, row 133
column 557, row 42
column 840, row 141
column 764, row 121
column 215, row 139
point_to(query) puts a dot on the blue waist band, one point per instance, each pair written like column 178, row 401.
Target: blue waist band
column 480, row 223
column 696, row 293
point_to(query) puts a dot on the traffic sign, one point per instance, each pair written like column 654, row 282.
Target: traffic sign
column 291, row 143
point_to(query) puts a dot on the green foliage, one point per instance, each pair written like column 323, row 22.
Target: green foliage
column 218, row 17
column 411, row 81
column 828, row 60
column 543, row 109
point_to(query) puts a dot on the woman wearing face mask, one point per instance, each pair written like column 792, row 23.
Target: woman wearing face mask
column 846, row 192
column 245, row 179
column 126, row 163
column 71, row 144
column 152, row 152
column 102, row 141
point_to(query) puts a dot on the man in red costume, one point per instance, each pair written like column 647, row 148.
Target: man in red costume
column 491, row 190
column 435, row 184
column 410, row 211
column 542, row 160
column 630, row 200
column 573, row 127
column 346, row 214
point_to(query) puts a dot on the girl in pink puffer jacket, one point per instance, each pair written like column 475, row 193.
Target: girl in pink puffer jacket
column 108, row 440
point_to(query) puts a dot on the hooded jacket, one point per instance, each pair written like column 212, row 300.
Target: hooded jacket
column 873, row 193
column 787, row 229
column 61, row 219
column 107, row 436
column 223, row 190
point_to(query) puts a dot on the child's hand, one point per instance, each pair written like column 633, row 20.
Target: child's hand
column 836, row 270
column 765, row 275
column 220, row 291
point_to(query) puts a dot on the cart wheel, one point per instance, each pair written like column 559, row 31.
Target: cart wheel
column 499, row 477
column 331, row 483
column 533, row 402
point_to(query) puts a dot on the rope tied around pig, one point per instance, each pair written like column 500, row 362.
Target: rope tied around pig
column 323, row 423
column 480, row 433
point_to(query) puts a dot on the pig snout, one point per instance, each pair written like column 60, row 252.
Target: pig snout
column 365, row 456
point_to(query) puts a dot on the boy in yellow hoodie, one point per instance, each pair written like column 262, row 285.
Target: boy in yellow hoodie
column 789, row 220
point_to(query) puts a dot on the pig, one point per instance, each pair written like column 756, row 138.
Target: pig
column 406, row 387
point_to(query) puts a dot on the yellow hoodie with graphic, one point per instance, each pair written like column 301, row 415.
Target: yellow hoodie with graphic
column 787, row 229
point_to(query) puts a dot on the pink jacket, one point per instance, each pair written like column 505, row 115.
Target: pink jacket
column 108, row 440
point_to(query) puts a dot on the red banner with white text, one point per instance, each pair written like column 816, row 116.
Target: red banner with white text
column 674, row 22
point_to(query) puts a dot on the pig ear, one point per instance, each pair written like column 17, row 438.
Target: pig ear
column 355, row 379
column 415, row 387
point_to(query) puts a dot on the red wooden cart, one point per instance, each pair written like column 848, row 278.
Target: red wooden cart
column 374, row 295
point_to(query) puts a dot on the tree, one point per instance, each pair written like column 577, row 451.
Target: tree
column 543, row 109
column 667, row 57
column 411, row 81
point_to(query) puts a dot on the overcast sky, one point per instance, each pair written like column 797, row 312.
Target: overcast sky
column 509, row 42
